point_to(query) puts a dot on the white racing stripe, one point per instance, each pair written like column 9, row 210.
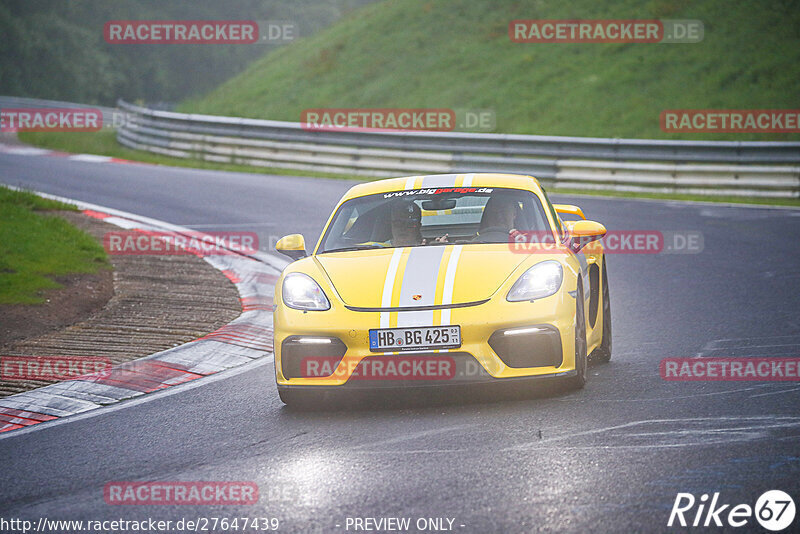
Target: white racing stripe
column 419, row 285
column 439, row 180
column 388, row 285
column 449, row 282
column 421, row 271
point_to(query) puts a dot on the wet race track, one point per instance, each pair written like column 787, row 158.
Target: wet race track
column 611, row 457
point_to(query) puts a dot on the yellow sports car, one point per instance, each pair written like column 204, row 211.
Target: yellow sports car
column 444, row 279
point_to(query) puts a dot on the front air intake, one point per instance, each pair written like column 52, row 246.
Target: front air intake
column 529, row 346
column 302, row 356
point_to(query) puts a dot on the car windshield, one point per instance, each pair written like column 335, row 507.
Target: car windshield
column 429, row 217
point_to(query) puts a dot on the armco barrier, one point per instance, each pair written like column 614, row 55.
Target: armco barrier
column 110, row 115
column 735, row 168
column 757, row 169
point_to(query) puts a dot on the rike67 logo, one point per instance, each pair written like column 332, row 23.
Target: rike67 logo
column 774, row 510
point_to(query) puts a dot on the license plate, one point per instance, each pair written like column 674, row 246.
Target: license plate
column 417, row 338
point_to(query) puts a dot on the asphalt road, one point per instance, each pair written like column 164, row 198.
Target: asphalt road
column 609, row 458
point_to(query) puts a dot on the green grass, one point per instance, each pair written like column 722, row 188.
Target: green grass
column 102, row 143
column 34, row 247
column 457, row 54
column 31, row 201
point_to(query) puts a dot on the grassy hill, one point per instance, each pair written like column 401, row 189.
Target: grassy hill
column 457, row 54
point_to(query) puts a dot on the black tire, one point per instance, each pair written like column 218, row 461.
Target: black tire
column 581, row 358
column 603, row 352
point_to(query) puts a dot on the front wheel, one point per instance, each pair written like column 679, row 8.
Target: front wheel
column 581, row 363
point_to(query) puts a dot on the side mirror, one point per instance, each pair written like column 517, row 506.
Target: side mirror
column 569, row 209
column 581, row 233
column 292, row 245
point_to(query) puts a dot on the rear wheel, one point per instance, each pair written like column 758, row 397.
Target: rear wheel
column 603, row 352
column 581, row 363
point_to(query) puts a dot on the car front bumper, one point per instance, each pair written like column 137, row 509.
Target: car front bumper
column 546, row 326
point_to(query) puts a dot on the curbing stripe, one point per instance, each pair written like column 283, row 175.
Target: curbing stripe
column 245, row 339
column 86, row 158
column 33, row 416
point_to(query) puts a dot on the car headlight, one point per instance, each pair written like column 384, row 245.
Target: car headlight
column 541, row 280
column 301, row 292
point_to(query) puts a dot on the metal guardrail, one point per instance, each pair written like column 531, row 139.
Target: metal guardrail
column 765, row 169
column 111, row 116
column 736, row 168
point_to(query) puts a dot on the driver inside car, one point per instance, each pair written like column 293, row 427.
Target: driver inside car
column 499, row 216
column 407, row 225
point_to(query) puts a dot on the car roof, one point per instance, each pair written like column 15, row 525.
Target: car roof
column 517, row 181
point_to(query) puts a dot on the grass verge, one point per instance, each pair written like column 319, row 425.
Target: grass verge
column 104, row 143
column 35, row 248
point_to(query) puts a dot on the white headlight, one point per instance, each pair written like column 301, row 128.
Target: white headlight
column 541, row 280
column 301, row 292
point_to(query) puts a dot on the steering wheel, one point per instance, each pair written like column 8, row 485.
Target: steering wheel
column 493, row 234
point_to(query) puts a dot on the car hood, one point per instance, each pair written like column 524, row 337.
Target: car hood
column 419, row 276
